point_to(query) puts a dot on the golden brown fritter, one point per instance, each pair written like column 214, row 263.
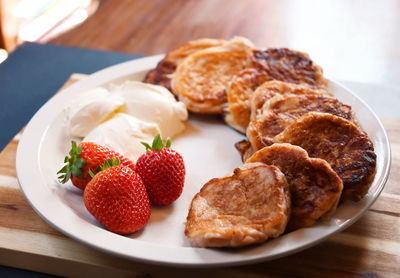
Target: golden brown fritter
column 280, row 64
column 314, row 187
column 280, row 111
column 201, row 79
column 161, row 75
column 247, row 207
column 290, row 66
column 245, row 149
column 274, row 88
column 341, row 143
column 239, row 92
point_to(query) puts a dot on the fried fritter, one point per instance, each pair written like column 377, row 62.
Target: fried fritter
column 341, row 143
column 272, row 64
column 161, row 75
column 239, row 92
column 280, row 111
column 314, row 187
column 245, row 149
column 291, row 66
column 201, row 79
column 270, row 89
column 247, row 207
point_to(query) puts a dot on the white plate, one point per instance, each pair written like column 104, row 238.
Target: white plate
column 208, row 151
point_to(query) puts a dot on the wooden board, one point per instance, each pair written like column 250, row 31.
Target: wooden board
column 369, row 248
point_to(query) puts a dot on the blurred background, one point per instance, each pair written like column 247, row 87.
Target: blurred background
column 352, row 39
column 39, row 20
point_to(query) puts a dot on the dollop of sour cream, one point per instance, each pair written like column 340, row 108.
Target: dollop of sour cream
column 125, row 115
column 153, row 104
column 90, row 109
column 124, row 134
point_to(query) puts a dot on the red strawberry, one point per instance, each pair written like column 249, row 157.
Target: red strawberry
column 117, row 198
column 163, row 172
column 85, row 157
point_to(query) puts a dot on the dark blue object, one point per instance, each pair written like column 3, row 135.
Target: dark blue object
column 34, row 72
column 10, row 272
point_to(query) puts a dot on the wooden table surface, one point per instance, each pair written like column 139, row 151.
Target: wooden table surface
column 352, row 40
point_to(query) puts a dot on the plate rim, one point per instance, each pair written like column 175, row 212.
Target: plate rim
column 140, row 64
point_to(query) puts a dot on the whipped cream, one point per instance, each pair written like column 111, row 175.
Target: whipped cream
column 90, row 109
column 123, row 133
column 153, row 104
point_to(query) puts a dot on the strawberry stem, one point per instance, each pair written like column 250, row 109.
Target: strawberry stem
column 108, row 163
column 157, row 144
column 73, row 164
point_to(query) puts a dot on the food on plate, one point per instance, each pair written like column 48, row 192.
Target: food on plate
column 117, row 198
column 314, row 187
column 123, row 133
column 281, row 64
column 90, row 109
column 244, row 148
column 271, row 89
column 126, row 115
column 200, row 80
column 161, row 75
column 239, row 91
column 247, row 207
column 290, row 66
column 163, row 172
column 153, row 104
column 341, row 143
column 280, row 111
column 305, row 151
column 87, row 157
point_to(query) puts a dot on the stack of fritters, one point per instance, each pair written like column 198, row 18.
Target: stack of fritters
column 161, row 75
column 305, row 149
column 272, row 64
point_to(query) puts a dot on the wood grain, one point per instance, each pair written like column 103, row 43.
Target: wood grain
column 369, row 248
column 353, row 40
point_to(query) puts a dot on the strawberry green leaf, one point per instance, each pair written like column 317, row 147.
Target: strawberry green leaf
column 168, row 143
column 109, row 163
column 63, row 169
column 148, row 147
column 73, row 164
column 91, row 174
column 80, row 163
column 76, row 171
column 157, row 143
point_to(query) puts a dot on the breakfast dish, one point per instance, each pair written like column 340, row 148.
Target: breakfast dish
column 341, row 143
column 271, row 89
column 245, row 149
column 239, row 91
column 289, row 66
column 161, row 74
column 247, row 207
column 200, row 79
column 314, row 187
column 280, row 111
column 206, row 145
